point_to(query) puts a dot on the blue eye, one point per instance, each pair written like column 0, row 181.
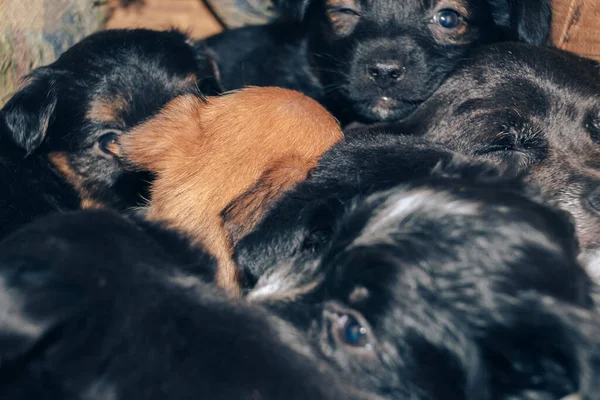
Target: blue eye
column 448, row 19
column 352, row 332
column 107, row 141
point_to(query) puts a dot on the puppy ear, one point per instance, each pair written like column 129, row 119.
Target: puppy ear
column 292, row 8
column 27, row 115
column 527, row 21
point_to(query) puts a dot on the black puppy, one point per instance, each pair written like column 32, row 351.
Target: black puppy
column 97, row 306
column 59, row 132
column 446, row 289
column 435, row 290
column 531, row 111
column 370, row 60
column 302, row 220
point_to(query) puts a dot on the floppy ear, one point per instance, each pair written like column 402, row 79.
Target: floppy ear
column 25, row 118
column 527, row 21
column 292, row 8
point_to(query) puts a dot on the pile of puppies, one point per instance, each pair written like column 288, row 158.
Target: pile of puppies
column 370, row 199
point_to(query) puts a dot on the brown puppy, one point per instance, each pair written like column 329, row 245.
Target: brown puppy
column 249, row 146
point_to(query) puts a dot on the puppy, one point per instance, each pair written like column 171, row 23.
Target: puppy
column 442, row 288
column 100, row 306
column 58, row 133
column 253, row 144
column 531, row 111
column 446, row 289
column 369, row 60
column 302, row 220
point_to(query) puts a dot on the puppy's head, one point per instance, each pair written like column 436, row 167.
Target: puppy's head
column 531, row 110
column 384, row 57
column 446, row 289
column 74, row 110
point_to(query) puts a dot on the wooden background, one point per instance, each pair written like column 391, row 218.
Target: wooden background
column 192, row 16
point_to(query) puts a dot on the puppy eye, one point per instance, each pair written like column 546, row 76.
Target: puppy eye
column 108, row 141
column 346, row 11
column 593, row 127
column 500, row 144
column 352, row 333
column 448, row 18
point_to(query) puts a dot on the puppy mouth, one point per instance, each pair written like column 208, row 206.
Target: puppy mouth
column 385, row 108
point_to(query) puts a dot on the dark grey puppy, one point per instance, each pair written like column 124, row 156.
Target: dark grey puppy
column 531, row 111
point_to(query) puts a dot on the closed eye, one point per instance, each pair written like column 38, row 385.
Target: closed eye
column 345, row 10
column 500, row 144
column 592, row 126
column 516, row 147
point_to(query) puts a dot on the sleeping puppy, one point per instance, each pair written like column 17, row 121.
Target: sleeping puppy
column 205, row 153
column 58, row 133
column 446, row 289
column 438, row 289
column 531, row 111
column 369, row 60
column 100, row 306
column 301, row 221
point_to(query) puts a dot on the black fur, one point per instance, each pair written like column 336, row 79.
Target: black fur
column 531, row 111
column 367, row 60
column 98, row 306
column 102, row 86
column 445, row 288
column 302, row 220
column 463, row 291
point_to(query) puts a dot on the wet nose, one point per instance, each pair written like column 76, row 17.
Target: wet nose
column 385, row 74
column 594, row 199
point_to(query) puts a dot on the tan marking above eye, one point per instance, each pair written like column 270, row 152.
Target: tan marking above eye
column 343, row 15
column 106, row 109
column 461, row 6
column 358, row 295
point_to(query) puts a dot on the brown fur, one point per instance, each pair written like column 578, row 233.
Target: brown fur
column 60, row 161
column 207, row 153
column 342, row 23
column 106, row 109
column 242, row 214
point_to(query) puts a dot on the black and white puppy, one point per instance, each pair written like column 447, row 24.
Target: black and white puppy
column 446, row 289
column 59, row 132
column 531, row 111
column 368, row 60
column 302, row 220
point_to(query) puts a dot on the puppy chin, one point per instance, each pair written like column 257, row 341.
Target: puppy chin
column 590, row 259
column 383, row 109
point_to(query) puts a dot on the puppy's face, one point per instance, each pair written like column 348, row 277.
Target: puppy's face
column 74, row 110
column 531, row 111
column 419, row 281
column 386, row 56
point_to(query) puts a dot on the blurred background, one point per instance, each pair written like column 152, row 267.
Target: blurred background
column 35, row 32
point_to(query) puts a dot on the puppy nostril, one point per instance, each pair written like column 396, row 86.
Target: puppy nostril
column 374, row 72
column 385, row 74
column 396, row 74
column 594, row 199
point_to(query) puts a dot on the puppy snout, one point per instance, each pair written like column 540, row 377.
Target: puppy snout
column 594, row 199
column 385, row 73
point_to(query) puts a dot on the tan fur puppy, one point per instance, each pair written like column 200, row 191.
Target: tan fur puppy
column 249, row 145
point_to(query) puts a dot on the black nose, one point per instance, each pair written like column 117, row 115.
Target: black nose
column 594, row 199
column 385, row 74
